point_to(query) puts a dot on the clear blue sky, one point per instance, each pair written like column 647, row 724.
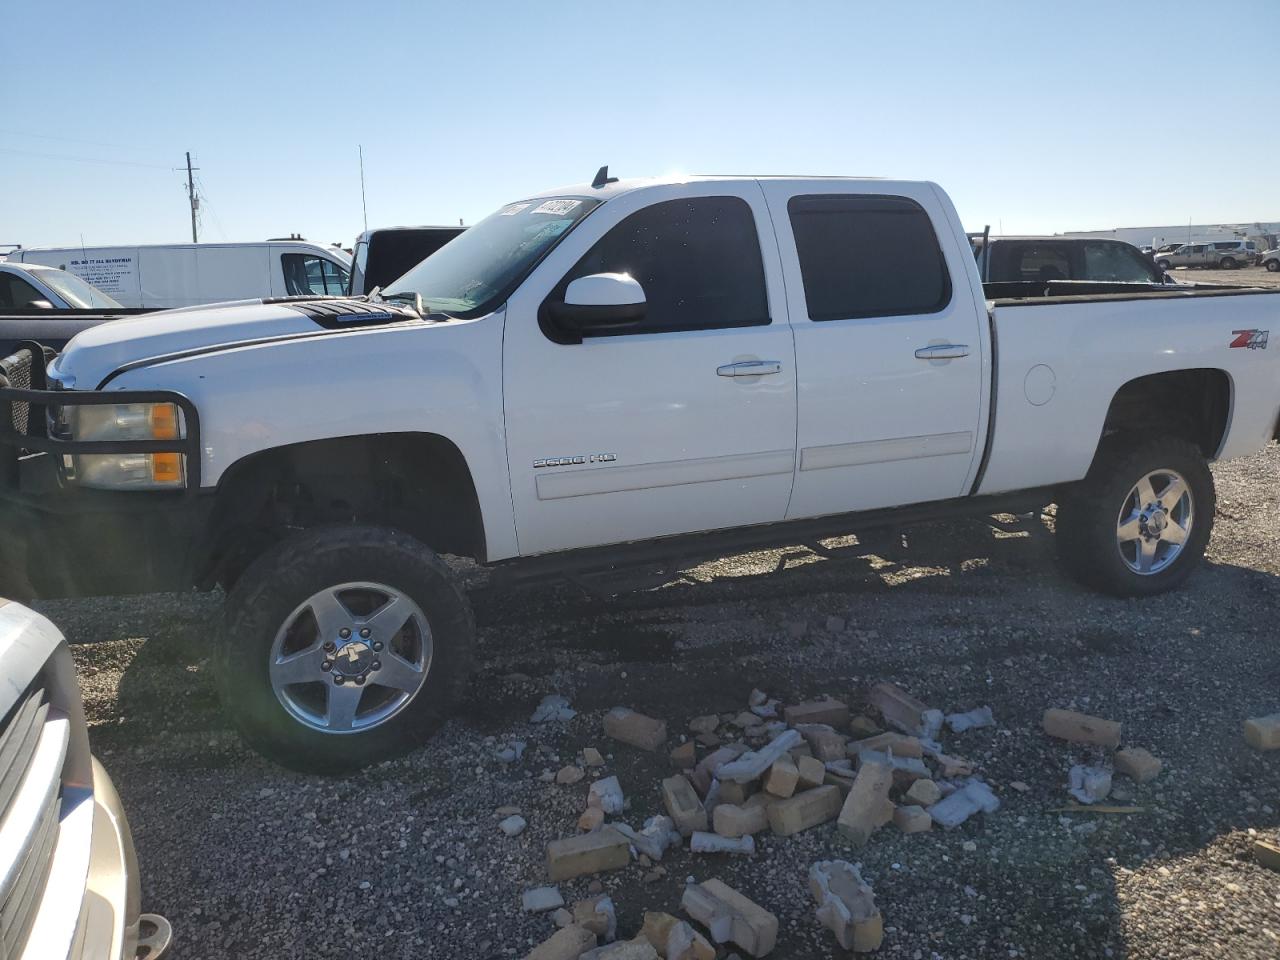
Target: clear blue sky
column 1035, row 116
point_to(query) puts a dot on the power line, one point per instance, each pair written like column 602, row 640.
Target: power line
column 63, row 156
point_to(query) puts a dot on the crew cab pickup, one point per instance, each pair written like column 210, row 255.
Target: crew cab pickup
column 48, row 304
column 613, row 373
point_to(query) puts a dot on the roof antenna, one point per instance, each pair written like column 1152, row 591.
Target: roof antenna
column 602, row 177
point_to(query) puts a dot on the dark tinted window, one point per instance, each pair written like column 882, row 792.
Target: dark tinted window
column 867, row 256
column 16, row 293
column 306, row 276
column 697, row 259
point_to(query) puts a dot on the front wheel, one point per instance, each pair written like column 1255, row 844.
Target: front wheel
column 1163, row 264
column 1139, row 523
column 1227, row 263
column 343, row 646
column 1273, row 266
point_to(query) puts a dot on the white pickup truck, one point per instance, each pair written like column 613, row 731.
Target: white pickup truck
column 606, row 374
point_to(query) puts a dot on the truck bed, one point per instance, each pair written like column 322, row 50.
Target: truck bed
column 1033, row 292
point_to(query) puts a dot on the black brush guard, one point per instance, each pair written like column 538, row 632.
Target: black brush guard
column 25, row 399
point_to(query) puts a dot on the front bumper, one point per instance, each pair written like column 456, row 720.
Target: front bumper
column 59, row 540
column 90, row 908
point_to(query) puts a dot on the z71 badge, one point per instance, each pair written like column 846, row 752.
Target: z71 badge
column 571, row 461
column 1252, row 339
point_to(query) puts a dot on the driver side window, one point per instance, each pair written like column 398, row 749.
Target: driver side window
column 698, row 261
column 16, row 293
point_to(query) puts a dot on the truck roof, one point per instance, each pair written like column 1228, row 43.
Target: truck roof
column 620, row 186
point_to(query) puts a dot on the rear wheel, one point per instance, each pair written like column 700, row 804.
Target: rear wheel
column 1273, row 266
column 342, row 647
column 1163, row 264
column 1138, row 524
column 1228, row 263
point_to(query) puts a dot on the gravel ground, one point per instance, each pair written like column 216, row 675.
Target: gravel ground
column 1252, row 276
column 405, row 859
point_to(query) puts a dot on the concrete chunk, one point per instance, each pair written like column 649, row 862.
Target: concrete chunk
column 597, row 914
column 731, row 820
column 912, row 819
column 867, row 807
column 900, row 744
column 702, row 842
column 805, row 810
column 623, row 950
column 1089, row 784
column 658, row 834
column 825, row 741
column 1267, row 854
column 568, row 943
column 685, row 755
column 810, row 772
column 541, row 900
column 731, row 917
column 752, row 765
column 832, row 712
column 657, row 928
column 683, row 804
column 967, row 800
column 900, row 709
column 1263, row 733
column 625, row 724
column 923, row 792
column 846, row 905
column 708, row 767
column 606, row 794
column 603, row 849
column 971, row 719
column 782, row 778
column 1137, row 764
column 1081, row 728
column 686, row 943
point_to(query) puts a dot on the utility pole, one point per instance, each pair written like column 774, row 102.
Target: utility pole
column 191, row 195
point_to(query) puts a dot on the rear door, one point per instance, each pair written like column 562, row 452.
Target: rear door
column 651, row 431
column 889, row 348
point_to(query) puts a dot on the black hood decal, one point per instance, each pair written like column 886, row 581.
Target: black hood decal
column 339, row 313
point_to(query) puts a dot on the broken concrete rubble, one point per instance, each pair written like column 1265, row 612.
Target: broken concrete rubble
column 553, row 707
column 825, row 742
column 513, row 825
column 629, row 726
column 708, row 768
column 863, row 726
column 603, row 849
column 731, row 820
column 685, row 755
column 591, row 819
column 569, row 775
column 730, row 917
column 846, row 905
column 704, row 724
column 752, row 765
column 568, row 943
column 623, row 950
column 606, row 794
column 963, row 802
column 832, row 712
column 731, row 792
column 592, row 757
column 686, row 943
column 923, row 792
column 597, row 914
column 657, row 928
column 912, row 819
column 1089, row 784
column 782, row 778
column 541, row 900
column 970, row 720
column 683, row 805
column 900, row 744
column 867, row 807
column 1137, row 764
column 1081, row 728
column 658, row 835
column 702, row 842
column 804, row 810
column 904, row 711
column 1263, row 733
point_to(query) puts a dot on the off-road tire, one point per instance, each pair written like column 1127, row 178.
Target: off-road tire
column 1273, row 266
column 1088, row 513
column 1163, row 264
column 1228, row 263
column 274, row 585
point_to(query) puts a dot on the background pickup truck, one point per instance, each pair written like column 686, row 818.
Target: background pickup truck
column 49, row 305
column 610, row 374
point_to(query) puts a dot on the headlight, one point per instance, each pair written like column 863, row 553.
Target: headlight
column 126, row 421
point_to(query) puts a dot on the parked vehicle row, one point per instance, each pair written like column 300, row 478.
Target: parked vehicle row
column 1218, row 255
column 611, row 374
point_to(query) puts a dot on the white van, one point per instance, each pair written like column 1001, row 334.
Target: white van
column 185, row 274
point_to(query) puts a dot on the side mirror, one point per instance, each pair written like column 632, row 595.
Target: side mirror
column 599, row 303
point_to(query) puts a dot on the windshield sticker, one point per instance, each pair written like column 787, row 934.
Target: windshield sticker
column 511, row 209
column 557, row 207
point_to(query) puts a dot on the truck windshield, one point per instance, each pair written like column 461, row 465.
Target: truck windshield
column 75, row 291
column 476, row 272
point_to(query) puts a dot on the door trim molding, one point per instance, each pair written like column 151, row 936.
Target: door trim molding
column 886, row 451
column 670, row 473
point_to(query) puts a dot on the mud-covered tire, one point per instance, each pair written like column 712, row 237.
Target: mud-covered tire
column 1090, row 514
column 269, row 595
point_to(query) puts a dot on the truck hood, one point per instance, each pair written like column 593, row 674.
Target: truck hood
column 96, row 353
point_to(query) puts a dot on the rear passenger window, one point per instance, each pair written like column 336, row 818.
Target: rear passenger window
column 698, row 261
column 867, row 256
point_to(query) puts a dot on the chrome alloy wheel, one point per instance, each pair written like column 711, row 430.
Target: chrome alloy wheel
column 1155, row 522
column 350, row 657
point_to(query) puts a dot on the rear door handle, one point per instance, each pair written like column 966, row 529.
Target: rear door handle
column 943, row 351
column 750, row 368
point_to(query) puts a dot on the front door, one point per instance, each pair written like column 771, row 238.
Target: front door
column 889, row 347
column 649, row 431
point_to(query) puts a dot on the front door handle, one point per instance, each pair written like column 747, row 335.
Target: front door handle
column 749, row 368
column 943, row 351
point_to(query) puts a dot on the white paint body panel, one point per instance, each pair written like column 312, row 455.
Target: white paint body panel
column 877, row 426
column 695, row 451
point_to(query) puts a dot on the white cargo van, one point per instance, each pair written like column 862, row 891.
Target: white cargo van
column 185, row 274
